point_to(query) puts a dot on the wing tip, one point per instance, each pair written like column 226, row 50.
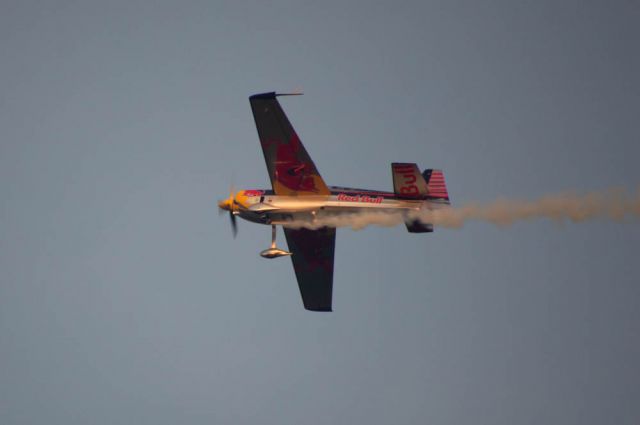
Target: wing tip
column 273, row 95
column 319, row 310
column 268, row 95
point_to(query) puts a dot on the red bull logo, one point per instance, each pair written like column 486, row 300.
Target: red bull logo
column 360, row 198
column 406, row 174
column 290, row 169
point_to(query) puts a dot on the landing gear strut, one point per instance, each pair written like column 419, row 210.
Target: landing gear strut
column 273, row 251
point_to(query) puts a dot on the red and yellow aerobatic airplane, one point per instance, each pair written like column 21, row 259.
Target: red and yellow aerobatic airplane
column 299, row 193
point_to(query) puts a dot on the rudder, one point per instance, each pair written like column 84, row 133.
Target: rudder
column 436, row 186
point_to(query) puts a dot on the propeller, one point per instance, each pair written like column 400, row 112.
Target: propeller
column 229, row 205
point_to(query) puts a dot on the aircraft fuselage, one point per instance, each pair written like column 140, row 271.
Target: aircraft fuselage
column 265, row 207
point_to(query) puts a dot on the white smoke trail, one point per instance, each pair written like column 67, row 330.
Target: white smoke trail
column 613, row 204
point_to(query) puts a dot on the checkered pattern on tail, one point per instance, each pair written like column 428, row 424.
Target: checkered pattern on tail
column 437, row 188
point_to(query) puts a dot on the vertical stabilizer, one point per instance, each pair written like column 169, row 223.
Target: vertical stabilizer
column 408, row 182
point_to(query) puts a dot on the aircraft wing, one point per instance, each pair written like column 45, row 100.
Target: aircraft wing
column 291, row 170
column 313, row 263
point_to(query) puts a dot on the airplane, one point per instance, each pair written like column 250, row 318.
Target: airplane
column 298, row 192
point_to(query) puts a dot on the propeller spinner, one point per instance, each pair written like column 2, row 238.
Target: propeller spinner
column 229, row 204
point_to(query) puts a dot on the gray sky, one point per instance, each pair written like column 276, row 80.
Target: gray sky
column 125, row 300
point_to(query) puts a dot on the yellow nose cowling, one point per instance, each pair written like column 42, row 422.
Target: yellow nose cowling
column 226, row 204
column 234, row 202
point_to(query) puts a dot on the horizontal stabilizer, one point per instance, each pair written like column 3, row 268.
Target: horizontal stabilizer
column 416, row 226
